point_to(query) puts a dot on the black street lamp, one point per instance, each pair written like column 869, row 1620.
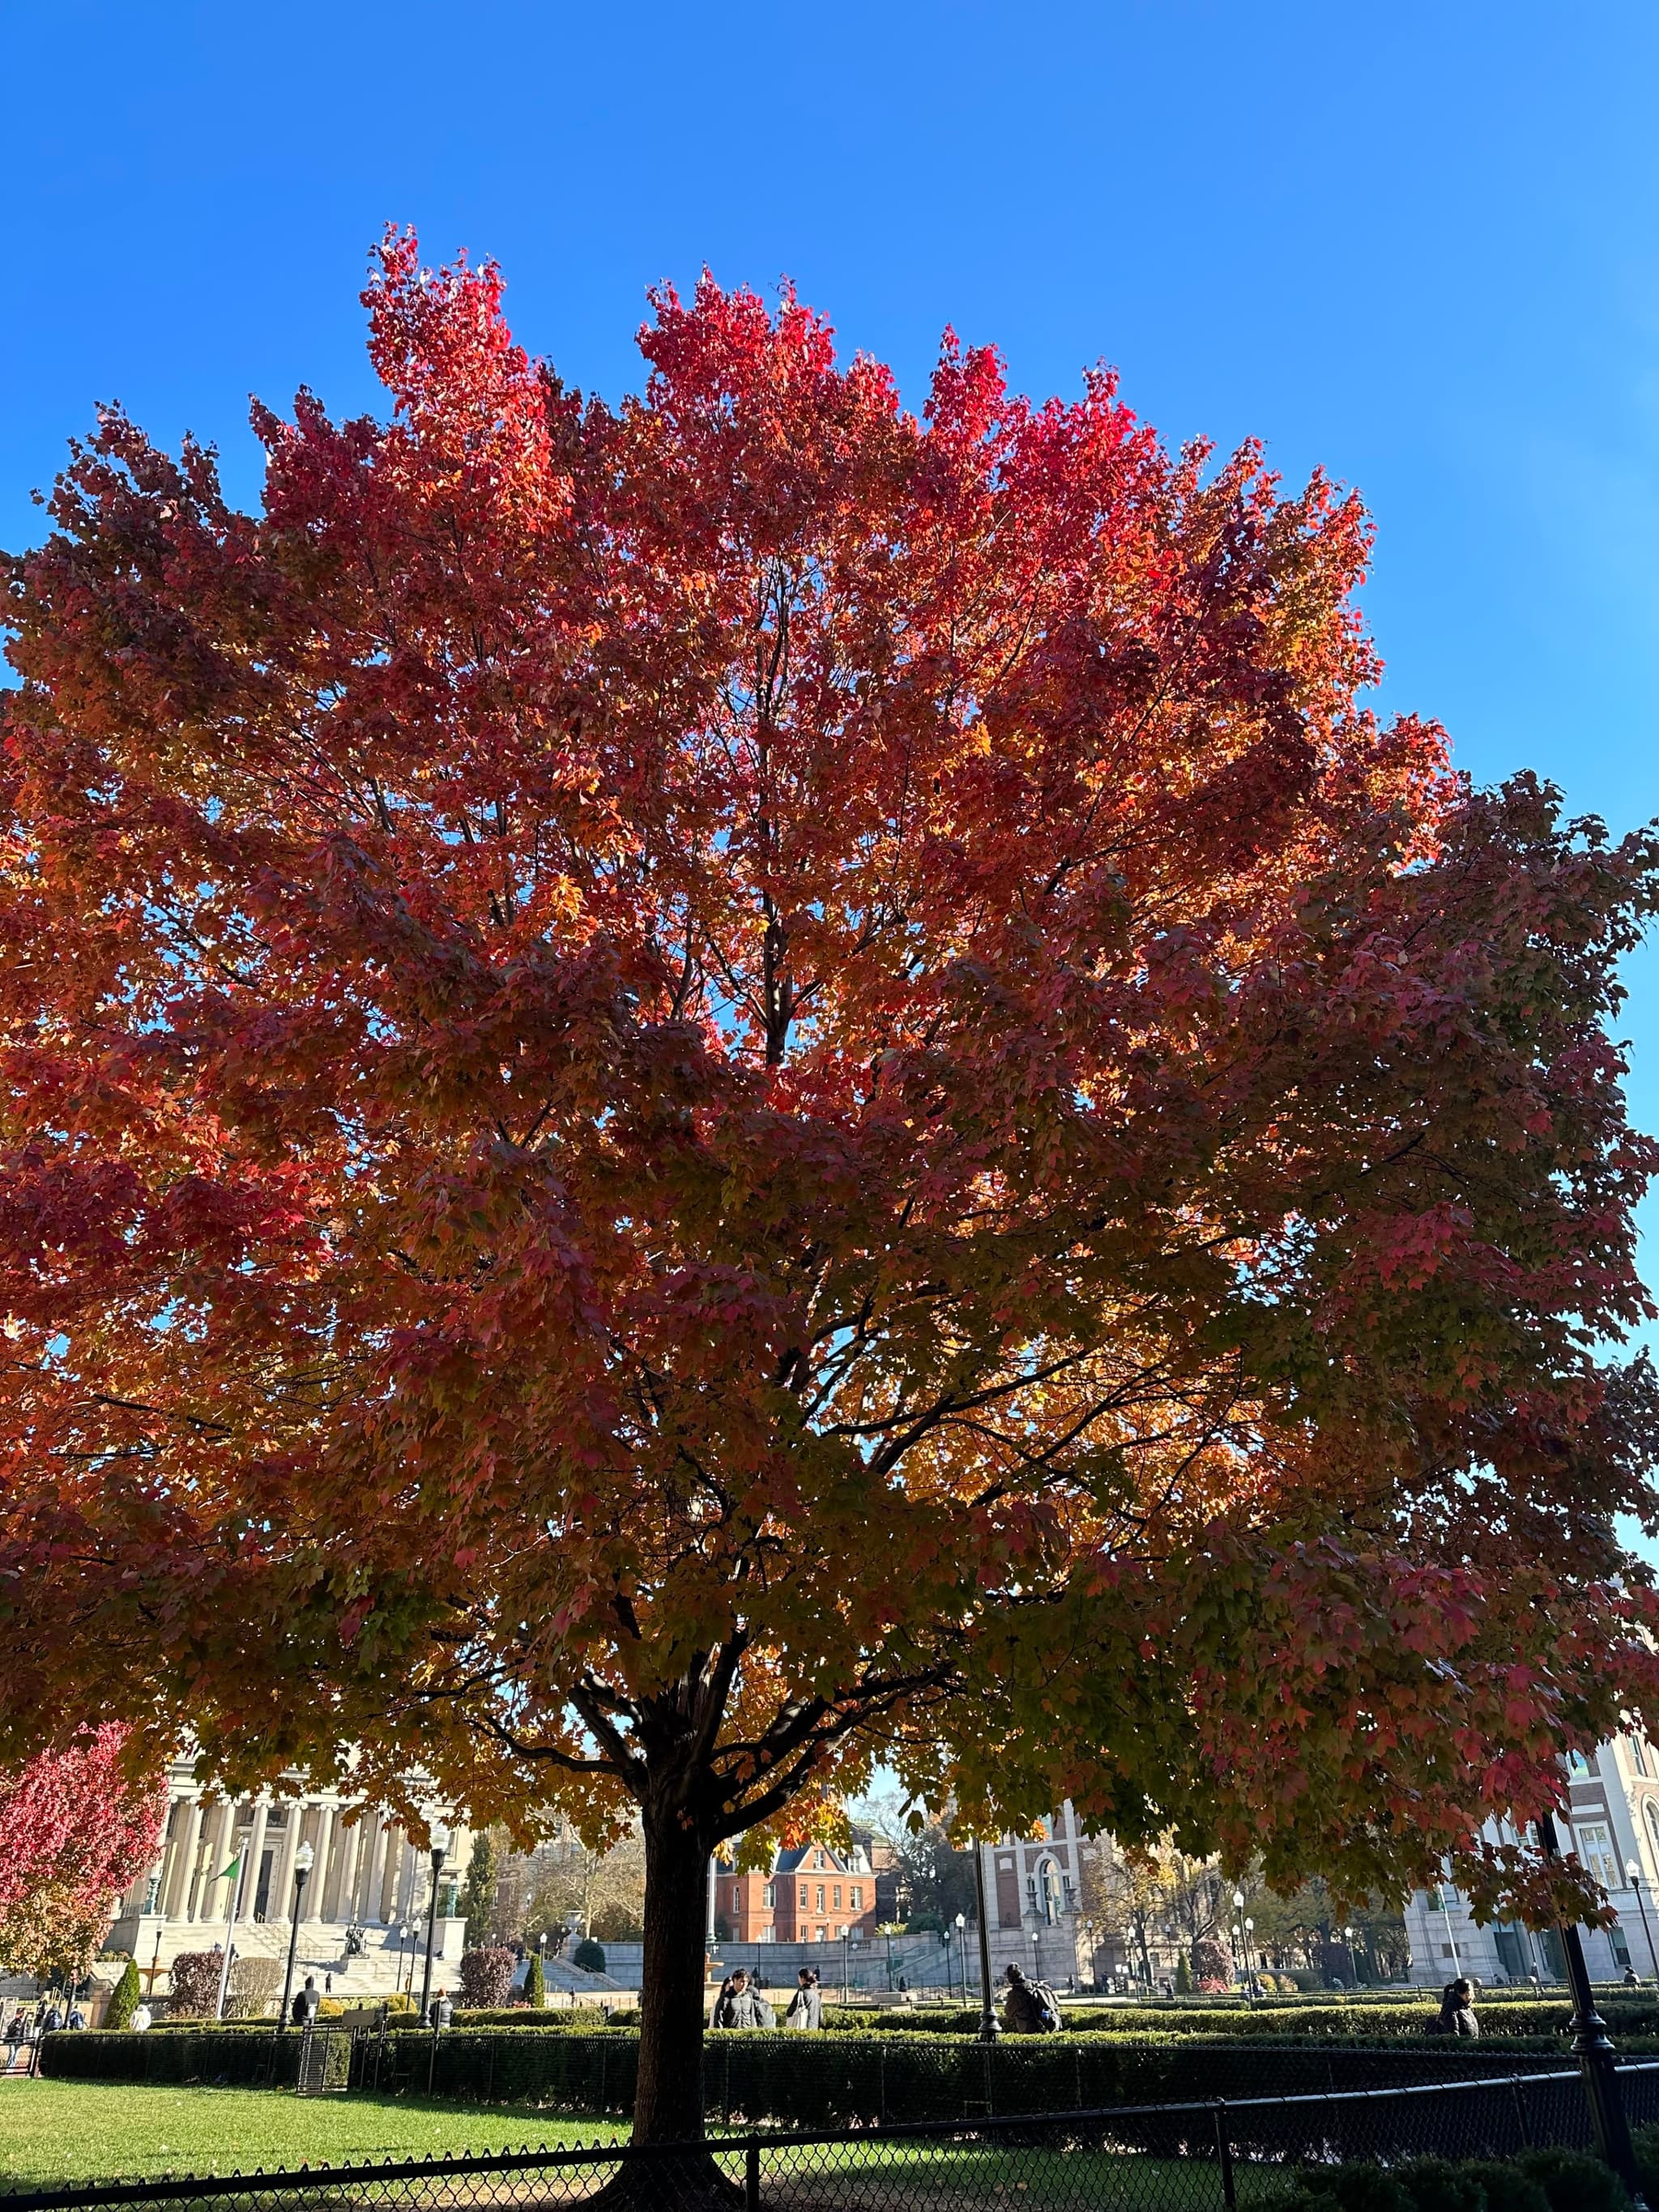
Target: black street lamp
column 989, row 2031
column 1593, row 2050
column 1633, row 1876
column 302, row 1864
column 440, row 1849
column 961, row 1951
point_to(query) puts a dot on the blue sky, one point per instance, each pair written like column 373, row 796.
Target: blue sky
column 1416, row 243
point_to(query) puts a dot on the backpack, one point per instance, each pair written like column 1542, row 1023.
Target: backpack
column 1049, row 2017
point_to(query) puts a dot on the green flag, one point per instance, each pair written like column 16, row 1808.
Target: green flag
column 234, row 1867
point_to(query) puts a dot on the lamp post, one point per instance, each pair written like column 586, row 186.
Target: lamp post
column 1594, row 2049
column 1348, row 1937
column 440, row 1850
column 1451, row 1940
column 303, row 1860
column 1633, row 1876
column 1242, row 1928
column 989, row 2031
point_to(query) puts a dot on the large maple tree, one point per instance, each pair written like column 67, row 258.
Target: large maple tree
column 703, row 1089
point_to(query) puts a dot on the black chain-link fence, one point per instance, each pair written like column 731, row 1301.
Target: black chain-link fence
column 1186, row 2157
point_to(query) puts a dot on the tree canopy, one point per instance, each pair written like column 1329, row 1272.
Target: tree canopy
column 701, row 1089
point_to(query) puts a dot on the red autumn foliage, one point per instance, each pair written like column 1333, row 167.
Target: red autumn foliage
column 74, row 1831
column 703, row 1090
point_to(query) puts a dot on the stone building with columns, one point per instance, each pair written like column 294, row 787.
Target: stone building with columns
column 363, row 1916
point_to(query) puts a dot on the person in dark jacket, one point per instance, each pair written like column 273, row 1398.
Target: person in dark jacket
column 303, row 2010
column 1022, row 2008
column 1456, row 2015
column 807, row 2006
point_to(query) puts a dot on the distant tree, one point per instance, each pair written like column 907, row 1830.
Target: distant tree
column 1212, row 1966
column 935, row 1876
column 596, row 1892
column 75, row 1829
column 123, row 1998
column 193, row 1985
column 1184, row 1975
column 589, row 1956
column 487, row 1977
column 478, row 1893
column 535, row 1982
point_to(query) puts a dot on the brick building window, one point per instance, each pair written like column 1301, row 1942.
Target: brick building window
column 769, row 1895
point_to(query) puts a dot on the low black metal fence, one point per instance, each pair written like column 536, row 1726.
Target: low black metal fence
column 1210, row 2156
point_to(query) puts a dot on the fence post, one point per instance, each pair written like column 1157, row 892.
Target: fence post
column 725, row 2085
column 1519, row 2095
column 1223, row 2151
column 751, row 2178
column 881, row 2081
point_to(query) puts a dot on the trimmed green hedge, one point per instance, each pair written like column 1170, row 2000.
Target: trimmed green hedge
column 1537, row 2181
column 232, row 2055
column 1347, row 2023
column 823, row 2080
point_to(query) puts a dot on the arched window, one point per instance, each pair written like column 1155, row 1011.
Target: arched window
column 1047, row 1887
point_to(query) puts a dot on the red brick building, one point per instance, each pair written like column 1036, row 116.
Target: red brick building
column 816, row 1894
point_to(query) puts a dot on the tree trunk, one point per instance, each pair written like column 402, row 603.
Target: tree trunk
column 668, row 2102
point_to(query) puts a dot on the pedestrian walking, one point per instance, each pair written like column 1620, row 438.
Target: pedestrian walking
column 1456, row 2015
column 806, row 2005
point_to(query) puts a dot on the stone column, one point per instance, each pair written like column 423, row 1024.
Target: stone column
column 374, row 1902
column 184, row 1824
column 209, row 1859
column 248, row 1882
column 404, row 1899
column 323, row 1843
column 367, row 1835
column 281, row 1867
column 351, row 1841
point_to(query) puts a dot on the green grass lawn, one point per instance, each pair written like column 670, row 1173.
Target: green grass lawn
column 58, row 2132
column 64, row 2131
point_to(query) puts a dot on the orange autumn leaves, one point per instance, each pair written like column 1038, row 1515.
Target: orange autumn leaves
column 703, row 1089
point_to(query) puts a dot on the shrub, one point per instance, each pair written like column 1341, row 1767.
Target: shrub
column 1538, row 2181
column 1212, row 1967
column 1574, row 2183
column 535, row 1983
column 1507, row 2189
column 124, row 1999
column 193, row 1984
column 487, row 1977
column 1183, row 1976
column 589, row 1956
column 255, row 1983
